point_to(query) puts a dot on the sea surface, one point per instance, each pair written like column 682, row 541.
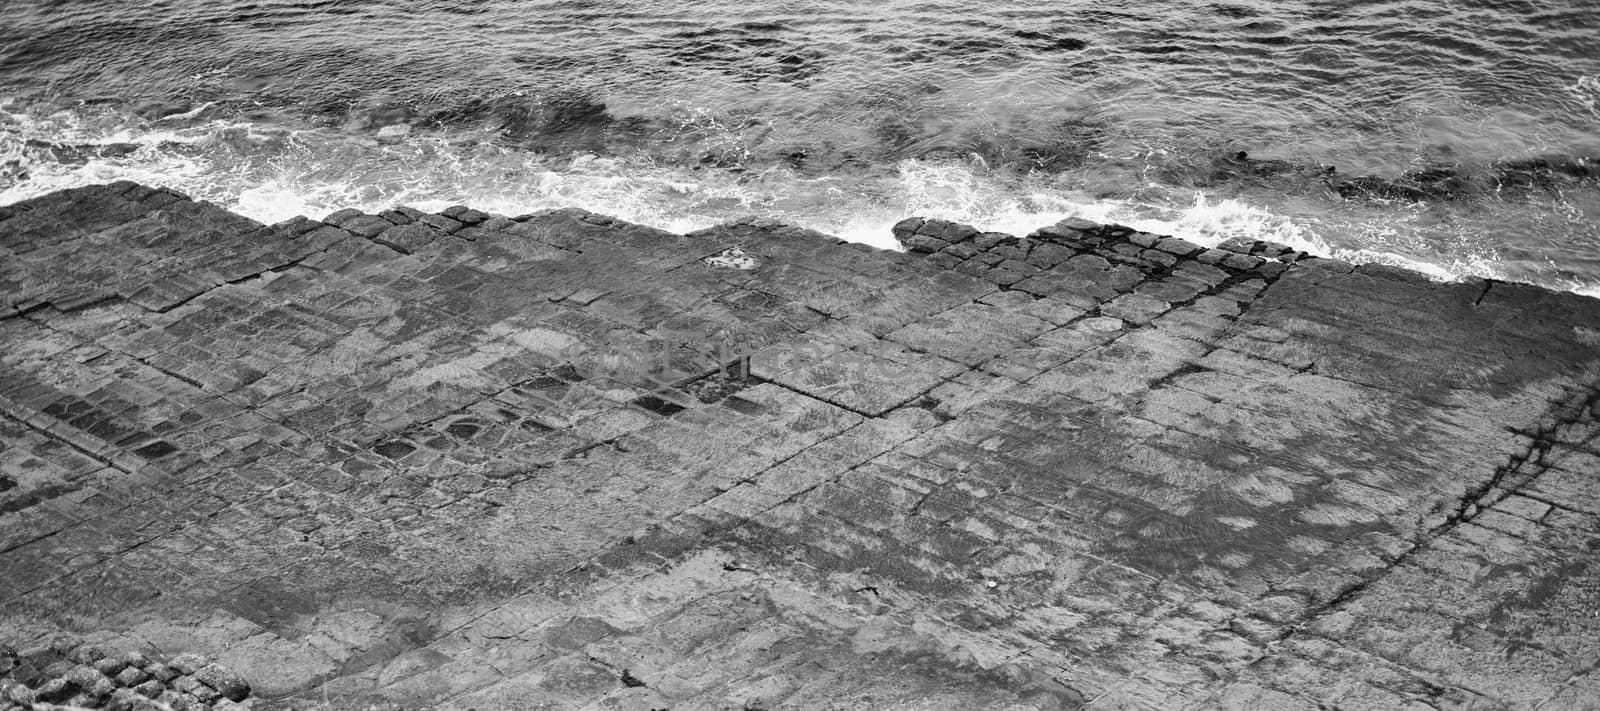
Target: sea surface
column 848, row 116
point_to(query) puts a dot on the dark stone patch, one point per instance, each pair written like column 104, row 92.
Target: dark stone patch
column 230, row 685
column 271, row 603
column 156, row 450
column 394, row 449
column 745, row 407
column 463, row 429
column 658, row 405
column 136, row 439
column 41, row 494
column 578, row 632
column 441, row 443
column 629, row 680
column 58, row 409
column 109, row 430
column 548, row 388
column 722, row 383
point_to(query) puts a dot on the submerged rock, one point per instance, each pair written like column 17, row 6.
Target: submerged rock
column 1241, row 164
column 1373, row 187
column 1455, row 182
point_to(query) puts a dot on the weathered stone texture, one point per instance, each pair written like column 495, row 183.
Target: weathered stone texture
column 562, row 461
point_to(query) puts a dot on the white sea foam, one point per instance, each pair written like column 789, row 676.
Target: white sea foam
column 1586, row 90
column 272, row 173
column 192, row 113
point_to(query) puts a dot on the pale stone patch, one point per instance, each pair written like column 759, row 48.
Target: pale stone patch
column 1262, row 491
column 540, row 340
column 639, row 600
column 733, row 258
column 466, row 371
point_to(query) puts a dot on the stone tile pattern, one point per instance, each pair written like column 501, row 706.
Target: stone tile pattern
column 561, row 461
column 70, row 672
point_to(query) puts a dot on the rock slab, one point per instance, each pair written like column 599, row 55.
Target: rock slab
column 559, row 460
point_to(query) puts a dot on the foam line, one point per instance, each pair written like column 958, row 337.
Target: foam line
column 271, row 173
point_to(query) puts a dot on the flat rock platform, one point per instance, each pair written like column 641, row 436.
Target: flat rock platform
column 561, row 461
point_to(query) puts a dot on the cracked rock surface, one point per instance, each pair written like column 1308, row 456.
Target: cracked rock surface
column 460, row 460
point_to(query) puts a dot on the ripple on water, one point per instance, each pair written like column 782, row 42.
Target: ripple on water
column 1115, row 108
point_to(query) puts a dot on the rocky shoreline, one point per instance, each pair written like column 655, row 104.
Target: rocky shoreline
column 461, row 460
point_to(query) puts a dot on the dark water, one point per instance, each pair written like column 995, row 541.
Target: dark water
column 843, row 116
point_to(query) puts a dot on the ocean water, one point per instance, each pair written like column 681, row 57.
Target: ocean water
column 846, row 117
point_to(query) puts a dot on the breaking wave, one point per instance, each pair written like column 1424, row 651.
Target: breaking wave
column 271, row 172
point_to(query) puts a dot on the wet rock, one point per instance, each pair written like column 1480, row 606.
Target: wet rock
column 110, row 666
column 224, row 681
column 204, row 694
column 536, row 121
column 16, row 692
column 126, row 700
column 86, row 654
column 988, row 240
column 151, row 689
column 1178, row 247
column 441, row 223
column 55, row 691
column 904, row 229
column 470, row 217
column 339, row 217
column 925, row 244
column 57, row 667
column 156, row 109
column 1143, row 239
column 131, row 676
column 1450, row 182
column 88, row 679
column 962, row 251
column 1159, row 258
column 368, row 226
column 1372, row 187
column 187, row 663
column 1072, row 227
column 12, row 170
column 950, row 232
column 1550, row 165
column 161, row 672
column 1240, row 164
column 1241, row 262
